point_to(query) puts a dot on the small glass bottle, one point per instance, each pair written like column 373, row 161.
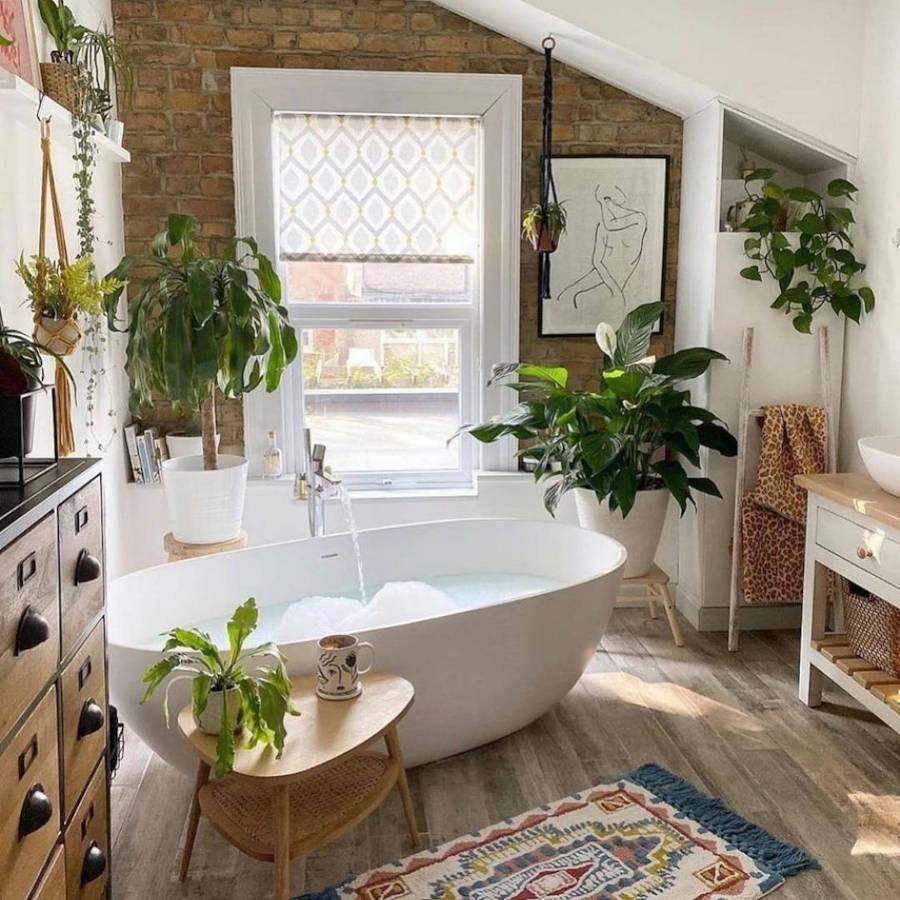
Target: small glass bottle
column 273, row 463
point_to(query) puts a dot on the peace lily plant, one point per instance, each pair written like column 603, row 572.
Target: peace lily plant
column 230, row 689
column 622, row 446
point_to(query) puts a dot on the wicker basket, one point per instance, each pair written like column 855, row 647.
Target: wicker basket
column 873, row 628
column 60, row 83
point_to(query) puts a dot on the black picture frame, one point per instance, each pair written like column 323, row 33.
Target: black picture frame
column 665, row 158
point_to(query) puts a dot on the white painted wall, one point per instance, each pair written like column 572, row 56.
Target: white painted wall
column 20, row 163
column 798, row 61
column 872, row 368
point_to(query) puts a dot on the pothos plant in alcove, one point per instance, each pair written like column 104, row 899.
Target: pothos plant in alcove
column 821, row 269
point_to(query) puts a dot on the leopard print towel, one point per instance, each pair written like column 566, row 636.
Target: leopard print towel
column 773, row 515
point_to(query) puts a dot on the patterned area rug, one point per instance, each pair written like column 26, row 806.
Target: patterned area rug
column 648, row 835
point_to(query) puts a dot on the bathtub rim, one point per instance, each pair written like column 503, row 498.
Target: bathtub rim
column 620, row 561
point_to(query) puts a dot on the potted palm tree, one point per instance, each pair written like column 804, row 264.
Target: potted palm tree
column 620, row 446
column 197, row 324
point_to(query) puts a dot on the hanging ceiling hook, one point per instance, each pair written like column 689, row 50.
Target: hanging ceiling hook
column 41, row 96
column 549, row 42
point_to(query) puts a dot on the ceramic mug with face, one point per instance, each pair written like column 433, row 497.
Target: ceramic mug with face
column 338, row 671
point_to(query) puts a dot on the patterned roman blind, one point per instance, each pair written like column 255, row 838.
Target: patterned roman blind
column 377, row 188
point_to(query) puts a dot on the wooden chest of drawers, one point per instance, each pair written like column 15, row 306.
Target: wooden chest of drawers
column 54, row 781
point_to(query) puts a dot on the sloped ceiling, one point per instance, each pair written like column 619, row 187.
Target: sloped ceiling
column 798, row 62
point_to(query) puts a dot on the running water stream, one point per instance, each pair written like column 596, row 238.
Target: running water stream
column 347, row 506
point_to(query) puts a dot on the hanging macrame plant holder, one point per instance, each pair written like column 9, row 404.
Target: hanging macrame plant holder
column 60, row 336
column 547, row 238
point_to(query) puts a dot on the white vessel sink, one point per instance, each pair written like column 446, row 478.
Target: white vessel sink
column 881, row 456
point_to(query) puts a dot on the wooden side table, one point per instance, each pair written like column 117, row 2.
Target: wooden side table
column 177, row 550
column 657, row 583
column 324, row 784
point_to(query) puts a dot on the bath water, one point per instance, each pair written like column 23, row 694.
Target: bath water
column 347, row 506
column 464, row 591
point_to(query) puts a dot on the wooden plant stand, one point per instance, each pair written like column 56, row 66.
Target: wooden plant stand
column 657, row 583
column 177, row 550
column 325, row 783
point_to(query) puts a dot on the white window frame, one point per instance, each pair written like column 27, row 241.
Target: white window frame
column 256, row 94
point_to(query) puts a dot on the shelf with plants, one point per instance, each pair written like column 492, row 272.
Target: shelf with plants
column 21, row 101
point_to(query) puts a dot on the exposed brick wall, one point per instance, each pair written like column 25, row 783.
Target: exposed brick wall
column 179, row 131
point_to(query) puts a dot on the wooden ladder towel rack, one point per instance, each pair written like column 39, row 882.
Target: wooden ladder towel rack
column 745, row 413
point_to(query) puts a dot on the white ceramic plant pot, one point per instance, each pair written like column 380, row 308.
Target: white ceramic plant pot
column 639, row 532
column 210, row 721
column 205, row 507
column 186, row 444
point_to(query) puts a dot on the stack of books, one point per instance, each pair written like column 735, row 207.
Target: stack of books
column 146, row 453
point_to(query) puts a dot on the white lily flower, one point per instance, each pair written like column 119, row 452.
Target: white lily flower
column 605, row 336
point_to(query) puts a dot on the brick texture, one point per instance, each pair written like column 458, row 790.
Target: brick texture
column 179, row 130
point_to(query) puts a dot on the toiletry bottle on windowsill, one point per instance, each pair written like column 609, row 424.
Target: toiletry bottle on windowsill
column 273, row 464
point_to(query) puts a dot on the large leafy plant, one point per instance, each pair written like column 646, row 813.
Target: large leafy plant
column 265, row 690
column 822, row 270
column 628, row 435
column 200, row 322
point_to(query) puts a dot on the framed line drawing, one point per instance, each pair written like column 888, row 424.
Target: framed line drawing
column 612, row 257
column 21, row 55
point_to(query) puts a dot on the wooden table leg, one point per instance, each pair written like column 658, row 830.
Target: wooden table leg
column 671, row 614
column 812, row 627
column 651, row 603
column 281, row 811
column 393, row 746
column 193, row 819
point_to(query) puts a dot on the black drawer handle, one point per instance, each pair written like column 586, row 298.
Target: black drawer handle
column 94, row 864
column 33, row 630
column 91, row 718
column 81, row 519
column 36, row 811
column 84, row 672
column 26, row 570
column 87, row 568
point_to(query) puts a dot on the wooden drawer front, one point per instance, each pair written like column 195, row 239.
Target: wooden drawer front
column 87, row 853
column 29, row 618
column 83, row 685
column 53, row 884
column 80, row 562
column 29, row 778
column 867, row 548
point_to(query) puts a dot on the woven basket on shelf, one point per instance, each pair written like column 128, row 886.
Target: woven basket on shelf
column 873, row 628
column 60, row 83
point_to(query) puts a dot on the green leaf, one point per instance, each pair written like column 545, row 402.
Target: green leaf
column 625, row 490
column 760, row 175
column 200, row 693
column 717, row 438
column 201, row 294
column 840, row 187
column 552, row 374
column 624, row 382
column 224, row 744
column 868, row 298
column 675, row 479
column 268, row 279
column 705, row 486
column 771, row 189
column 751, row 273
column 241, row 624
column 600, row 449
column 276, row 361
column 687, row 363
column 812, row 224
column 802, row 195
column 180, row 228
column 633, row 335
column 803, row 322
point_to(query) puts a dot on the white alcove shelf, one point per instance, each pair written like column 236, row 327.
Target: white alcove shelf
column 714, row 305
column 21, row 101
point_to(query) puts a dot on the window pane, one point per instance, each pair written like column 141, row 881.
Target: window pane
column 365, row 282
column 383, row 400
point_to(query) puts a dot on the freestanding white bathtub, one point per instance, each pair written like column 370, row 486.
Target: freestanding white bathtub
column 479, row 673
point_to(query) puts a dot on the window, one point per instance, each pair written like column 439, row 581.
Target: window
column 391, row 207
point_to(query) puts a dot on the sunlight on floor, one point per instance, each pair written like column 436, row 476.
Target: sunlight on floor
column 673, row 699
column 878, row 824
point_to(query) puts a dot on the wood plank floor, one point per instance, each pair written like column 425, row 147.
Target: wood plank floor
column 828, row 779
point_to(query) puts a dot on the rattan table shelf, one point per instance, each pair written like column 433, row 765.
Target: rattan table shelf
column 325, row 783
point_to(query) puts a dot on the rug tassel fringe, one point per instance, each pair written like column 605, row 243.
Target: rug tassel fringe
column 763, row 848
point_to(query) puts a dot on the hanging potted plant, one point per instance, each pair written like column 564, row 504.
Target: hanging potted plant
column 543, row 227
column 618, row 447
column 199, row 323
column 58, row 77
column 230, row 687
column 21, row 371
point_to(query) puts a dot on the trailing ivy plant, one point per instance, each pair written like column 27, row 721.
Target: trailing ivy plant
column 822, row 270
column 200, row 322
column 628, row 434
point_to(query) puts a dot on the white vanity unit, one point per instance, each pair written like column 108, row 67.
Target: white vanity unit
column 853, row 529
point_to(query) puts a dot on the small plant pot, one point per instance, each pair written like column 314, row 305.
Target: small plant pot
column 62, row 336
column 13, row 429
column 181, row 444
column 212, row 721
column 205, row 507
column 545, row 240
column 59, row 81
column 639, row 532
